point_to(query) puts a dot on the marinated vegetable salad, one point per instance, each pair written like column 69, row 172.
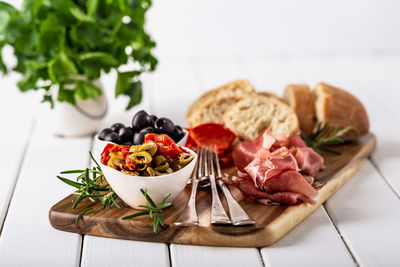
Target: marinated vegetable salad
column 157, row 155
column 142, row 124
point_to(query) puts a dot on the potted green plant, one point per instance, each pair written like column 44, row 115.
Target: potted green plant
column 63, row 46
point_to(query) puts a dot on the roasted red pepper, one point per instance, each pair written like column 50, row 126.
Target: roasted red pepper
column 165, row 144
column 105, row 155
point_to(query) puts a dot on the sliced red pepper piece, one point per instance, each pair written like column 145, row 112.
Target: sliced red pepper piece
column 105, row 155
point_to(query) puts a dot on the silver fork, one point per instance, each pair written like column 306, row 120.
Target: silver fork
column 189, row 216
column 218, row 214
column 237, row 214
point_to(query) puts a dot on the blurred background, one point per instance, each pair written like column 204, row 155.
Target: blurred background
column 204, row 44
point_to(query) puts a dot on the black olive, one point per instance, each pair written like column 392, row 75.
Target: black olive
column 164, row 125
column 178, row 133
column 115, row 127
column 126, row 134
column 138, row 138
column 104, row 132
column 152, row 119
column 140, row 121
column 112, row 137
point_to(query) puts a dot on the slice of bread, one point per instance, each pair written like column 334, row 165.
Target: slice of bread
column 340, row 108
column 300, row 98
column 211, row 106
column 249, row 117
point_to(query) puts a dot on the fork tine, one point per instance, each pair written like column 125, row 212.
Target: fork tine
column 200, row 173
column 206, row 164
column 211, row 160
column 195, row 173
column 216, row 162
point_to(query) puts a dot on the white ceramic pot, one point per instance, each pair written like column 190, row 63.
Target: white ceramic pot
column 81, row 120
column 128, row 187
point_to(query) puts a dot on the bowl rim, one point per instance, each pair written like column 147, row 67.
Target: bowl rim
column 109, row 142
column 152, row 178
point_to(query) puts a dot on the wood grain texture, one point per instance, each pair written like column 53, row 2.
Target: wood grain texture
column 272, row 222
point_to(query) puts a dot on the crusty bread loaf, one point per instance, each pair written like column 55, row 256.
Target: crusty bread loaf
column 299, row 97
column 211, row 106
column 340, row 108
column 251, row 116
column 269, row 94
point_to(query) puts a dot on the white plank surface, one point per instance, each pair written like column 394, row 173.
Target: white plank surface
column 198, row 256
column 367, row 213
column 315, row 242
column 27, row 238
column 15, row 131
column 100, row 251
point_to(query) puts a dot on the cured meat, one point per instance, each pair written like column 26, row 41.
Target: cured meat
column 277, row 170
column 246, row 185
column 310, row 162
column 245, row 151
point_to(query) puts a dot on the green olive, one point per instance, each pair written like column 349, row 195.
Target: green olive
column 150, row 171
column 159, row 160
column 162, row 167
column 134, row 149
column 151, row 148
column 141, row 157
column 185, row 158
column 141, row 167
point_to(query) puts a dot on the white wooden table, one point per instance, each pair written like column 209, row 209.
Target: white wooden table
column 359, row 225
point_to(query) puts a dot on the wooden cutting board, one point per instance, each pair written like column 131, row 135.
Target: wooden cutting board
column 272, row 222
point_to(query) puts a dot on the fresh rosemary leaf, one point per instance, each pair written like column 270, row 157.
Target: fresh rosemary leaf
column 81, row 214
column 149, row 200
column 71, row 171
column 69, row 182
column 155, row 212
column 324, row 136
column 164, row 206
column 136, row 215
column 78, row 200
column 165, row 198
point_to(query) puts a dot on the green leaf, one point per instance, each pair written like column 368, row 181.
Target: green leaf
column 91, row 6
column 163, row 206
column 165, row 198
column 80, row 15
column 6, row 11
column 136, row 215
column 81, row 214
column 66, row 95
column 123, row 82
column 148, row 198
column 69, row 182
column 85, row 90
column 61, row 68
column 135, row 94
column 99, row 57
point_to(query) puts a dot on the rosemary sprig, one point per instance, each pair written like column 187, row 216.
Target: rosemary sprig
column 155, row 212
column 90, row 184
column 324, row 136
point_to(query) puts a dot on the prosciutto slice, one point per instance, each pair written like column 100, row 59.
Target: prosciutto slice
column 277, row 170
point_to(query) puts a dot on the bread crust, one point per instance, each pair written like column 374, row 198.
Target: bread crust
column 249, row 117
column 300, row 98
column 228, row 93
column 340, row 108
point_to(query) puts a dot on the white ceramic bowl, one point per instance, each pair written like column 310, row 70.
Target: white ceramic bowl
column 128, row 187
column 98, row 145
